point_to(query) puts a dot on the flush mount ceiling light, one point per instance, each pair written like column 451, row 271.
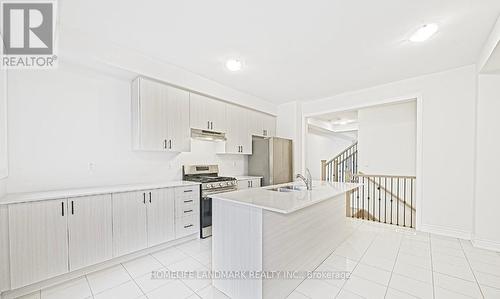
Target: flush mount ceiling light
column 424, row 33
column 234, row 65
column 343, row 122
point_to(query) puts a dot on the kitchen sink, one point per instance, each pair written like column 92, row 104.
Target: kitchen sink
column 291, row 188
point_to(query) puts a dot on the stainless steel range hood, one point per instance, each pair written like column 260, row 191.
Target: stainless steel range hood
column 207, row 135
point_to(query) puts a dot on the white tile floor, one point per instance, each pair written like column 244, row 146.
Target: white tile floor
column 385, row 262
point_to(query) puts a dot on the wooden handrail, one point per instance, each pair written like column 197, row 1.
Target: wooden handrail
column 337, row 156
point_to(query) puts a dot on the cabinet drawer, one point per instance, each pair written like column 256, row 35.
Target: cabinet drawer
column 187, row 207
column 186, row 226
column 187, row 192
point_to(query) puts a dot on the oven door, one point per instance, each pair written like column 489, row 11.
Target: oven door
column 206, row 217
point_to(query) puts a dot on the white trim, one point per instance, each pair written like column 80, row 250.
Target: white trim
column 486, row 244
column 445, row 231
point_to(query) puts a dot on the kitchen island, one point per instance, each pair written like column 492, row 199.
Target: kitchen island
column 265, row 239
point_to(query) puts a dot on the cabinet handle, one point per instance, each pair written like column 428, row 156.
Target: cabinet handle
column 208, row 125
column 72, row 208
column 248, row 184
column 187, row 226
column 212, row 125
column 190, row 190
column 186, row 201
column 188, row 211
column 170, row 144
column 62, row 208
column 144, row 197
column 165, row 144
column 149, row 197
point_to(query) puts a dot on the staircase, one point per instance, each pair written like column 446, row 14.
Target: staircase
column 341, row 167
column 382, row 198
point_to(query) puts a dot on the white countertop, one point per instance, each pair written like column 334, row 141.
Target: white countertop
column 247, row 177
column 69, row 193
column 287, row 202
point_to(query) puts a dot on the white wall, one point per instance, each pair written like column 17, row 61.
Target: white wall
column 448, row 122
column 62, row 120
column 321, row 145
column 289, row 125
column 387, row 139
column 487, row 201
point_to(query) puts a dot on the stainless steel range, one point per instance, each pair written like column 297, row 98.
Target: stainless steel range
column 211, row 183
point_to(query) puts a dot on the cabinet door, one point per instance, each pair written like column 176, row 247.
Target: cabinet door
column 129, row 222
column 198, row 112
column 256, row 123
column 217, row 116
column 38, row 241
column 90, row 230
column 245, row 134
column 255, row 183
column 234, row 123
column 161, row 214
column 152, row 119
column 269, row 125
column 179, row 132
column 243, row 184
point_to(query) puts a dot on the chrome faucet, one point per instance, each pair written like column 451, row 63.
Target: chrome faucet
column 308, row 181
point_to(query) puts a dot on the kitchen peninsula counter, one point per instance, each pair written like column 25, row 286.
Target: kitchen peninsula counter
column 277, row 229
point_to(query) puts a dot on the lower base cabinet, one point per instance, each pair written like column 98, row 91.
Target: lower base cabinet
column 90, row 230
column 248, row 183
column 52, row 237
column 129, row 222
column 38, row 241
column 160, row 213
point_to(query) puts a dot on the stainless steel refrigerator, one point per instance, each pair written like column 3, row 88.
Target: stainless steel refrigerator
column 271, row 159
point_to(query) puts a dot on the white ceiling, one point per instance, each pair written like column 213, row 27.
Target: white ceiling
column 343, row 115
column 293, row 50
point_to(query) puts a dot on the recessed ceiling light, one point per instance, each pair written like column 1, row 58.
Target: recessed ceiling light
column 424, row 33
column 233, row 65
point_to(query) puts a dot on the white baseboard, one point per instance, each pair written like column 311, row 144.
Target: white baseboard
column 486, row 244
column 445, row 231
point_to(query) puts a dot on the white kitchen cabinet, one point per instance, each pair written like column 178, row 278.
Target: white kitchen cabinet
column 129, row 222
column 262, row 124
column 207, row 114
column 248, row 183
column 89, row 230
column 239, row 136
column 38, row 241
column 161, row 215
column 187, row 214
column 178, row 128
column 160, row 117
column 269, row 125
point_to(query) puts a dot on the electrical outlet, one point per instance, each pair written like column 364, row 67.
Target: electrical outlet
column 91, row 166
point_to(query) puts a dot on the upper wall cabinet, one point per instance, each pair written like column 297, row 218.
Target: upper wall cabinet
column 262, row 124
column 207, row 114
column 239, row 136
column 160, row 116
